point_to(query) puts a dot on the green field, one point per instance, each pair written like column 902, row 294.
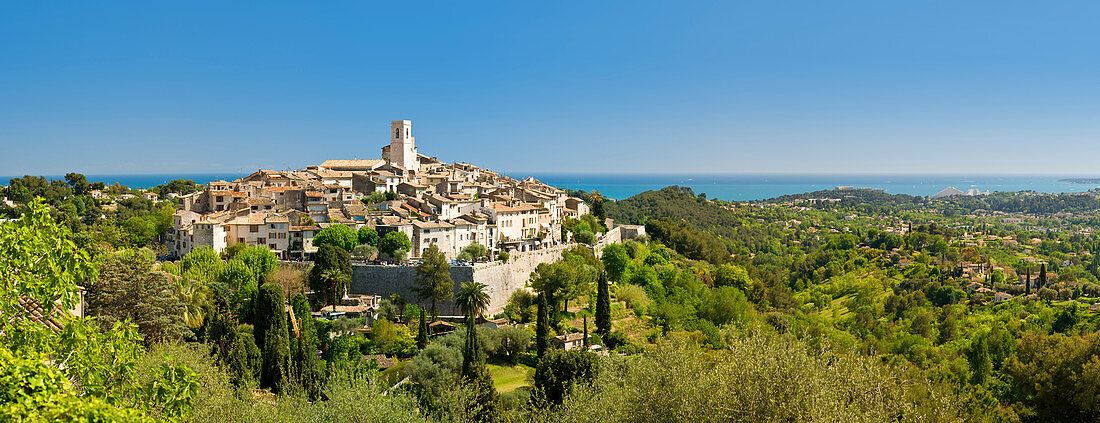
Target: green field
column 507, row 377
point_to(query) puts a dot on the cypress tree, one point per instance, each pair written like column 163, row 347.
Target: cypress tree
column 470, row 359
column 586, row 332
column 1027, row 285
column 422, row 334
column 1042, row 275
column 271, row 323
column 603, row 307
column 305, row 367
column 541, row 329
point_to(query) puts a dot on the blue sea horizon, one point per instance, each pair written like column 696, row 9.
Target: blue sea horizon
column 730, row 187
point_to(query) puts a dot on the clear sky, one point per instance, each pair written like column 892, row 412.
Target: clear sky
column 765, row 86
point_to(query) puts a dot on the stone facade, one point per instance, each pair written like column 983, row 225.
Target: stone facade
column 500, row 278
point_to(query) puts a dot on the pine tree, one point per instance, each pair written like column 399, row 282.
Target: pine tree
column 603, row 307
column 422, row 334
column 434, row 281
column 541, row 329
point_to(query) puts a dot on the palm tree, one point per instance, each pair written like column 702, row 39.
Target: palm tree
column 338, row 280
column 196, row 298
column 473, row 299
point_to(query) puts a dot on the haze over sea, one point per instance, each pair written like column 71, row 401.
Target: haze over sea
column 732, row 187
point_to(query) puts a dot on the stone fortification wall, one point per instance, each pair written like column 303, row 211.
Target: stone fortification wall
column 387, row 280
column 501, row 279
column 613, row 236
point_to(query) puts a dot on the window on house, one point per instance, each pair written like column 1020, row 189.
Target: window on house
column 254, row 228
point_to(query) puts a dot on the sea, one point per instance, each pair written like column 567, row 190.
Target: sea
column 730, row 187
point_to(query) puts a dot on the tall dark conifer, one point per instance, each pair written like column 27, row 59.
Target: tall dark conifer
column 541, row 329
column 603, row 307
column 586, row 332
column 422, row 334
column 1027, row 285
column 271, row 327
column 1042, row 275
column 470, row 359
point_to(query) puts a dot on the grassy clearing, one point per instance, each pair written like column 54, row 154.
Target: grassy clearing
column 507, row 376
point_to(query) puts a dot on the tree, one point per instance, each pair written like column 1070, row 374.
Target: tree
column 724, row 305
column 128, row 289
column 473, row 252
column 597, row 206
column 337, row 235
column 337, row 281
column 367, row 235
column 473, row 300
column 422, row 332
column 365, row 252
column 1057, row 375
column 513, row 341
column 305, row 367
column 542, row 330
column 1042, row 275
column 603, row 307
column 616, row 261
column 1027, row 285
column 433, row 278
column 484, row 404
column 733, row 275
column 521, row 306
column 393, row 242
column 259, row 260
column 271, row 327
column 76, row 370
column 79, row 183
column 949, row 328
column 585, row 237
column 329, row 265
column 559, row 370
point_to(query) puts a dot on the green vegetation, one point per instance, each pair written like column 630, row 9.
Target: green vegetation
column 829, row 306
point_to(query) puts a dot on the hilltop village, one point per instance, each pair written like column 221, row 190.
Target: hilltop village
column 452, row 205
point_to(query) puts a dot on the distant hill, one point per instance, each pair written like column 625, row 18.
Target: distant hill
column 948, row 192
column 1085, row 181
column 866, row 196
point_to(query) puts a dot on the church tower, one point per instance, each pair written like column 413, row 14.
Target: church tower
column 403, row 146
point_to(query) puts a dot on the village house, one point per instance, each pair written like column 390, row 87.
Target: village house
column 569, row 341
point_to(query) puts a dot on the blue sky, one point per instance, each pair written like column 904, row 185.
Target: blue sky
column 894, row 87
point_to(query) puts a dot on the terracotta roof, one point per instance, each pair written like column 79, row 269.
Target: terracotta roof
column 420, row 224
column 569, row 337
column 502, row 208
column 356, row 163
column 36, row 313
